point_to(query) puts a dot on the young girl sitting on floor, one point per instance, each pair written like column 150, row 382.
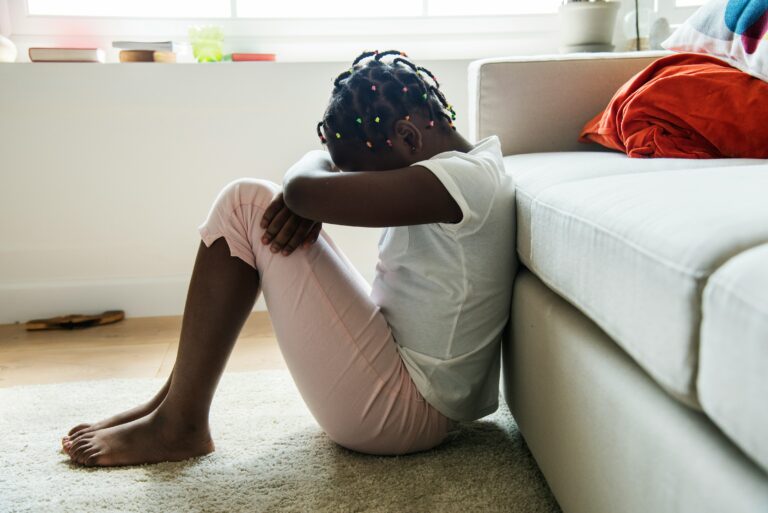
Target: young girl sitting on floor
column 386, row 369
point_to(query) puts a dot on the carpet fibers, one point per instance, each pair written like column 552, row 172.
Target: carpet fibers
column 270, row 456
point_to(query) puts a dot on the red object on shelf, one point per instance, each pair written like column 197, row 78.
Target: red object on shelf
column 252, row 57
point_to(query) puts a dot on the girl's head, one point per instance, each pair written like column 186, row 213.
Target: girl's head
column 384, row 113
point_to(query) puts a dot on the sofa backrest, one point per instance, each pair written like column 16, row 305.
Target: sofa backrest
column 540, row 103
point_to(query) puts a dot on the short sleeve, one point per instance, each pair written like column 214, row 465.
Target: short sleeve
column 470, row 184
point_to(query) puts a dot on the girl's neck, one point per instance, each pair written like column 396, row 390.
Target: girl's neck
column 454, row 141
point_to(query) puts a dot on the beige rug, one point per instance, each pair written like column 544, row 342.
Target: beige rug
column 270, row 456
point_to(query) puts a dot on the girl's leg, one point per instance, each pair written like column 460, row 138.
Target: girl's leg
column 221, row 295
column 335, row 340
column 336, row 343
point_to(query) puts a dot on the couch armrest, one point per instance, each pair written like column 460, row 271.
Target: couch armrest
column 540, row 103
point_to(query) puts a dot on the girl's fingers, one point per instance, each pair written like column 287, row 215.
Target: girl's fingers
column 276, row 224
column 285, row 233
column 298, row 236
column 272, row 210
column 313, row 234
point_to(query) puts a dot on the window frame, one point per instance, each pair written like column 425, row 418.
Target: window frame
column 326, row 39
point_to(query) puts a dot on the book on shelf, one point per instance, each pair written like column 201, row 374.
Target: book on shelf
column 146, row 56
column 66, row 55
column 160, row 46
column 252, row 57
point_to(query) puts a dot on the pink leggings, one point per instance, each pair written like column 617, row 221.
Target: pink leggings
column 336, row 342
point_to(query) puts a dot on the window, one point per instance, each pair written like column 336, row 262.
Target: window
column 297, row 30
column 287, row 8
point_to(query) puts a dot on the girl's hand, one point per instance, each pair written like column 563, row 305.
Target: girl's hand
column 285, row 230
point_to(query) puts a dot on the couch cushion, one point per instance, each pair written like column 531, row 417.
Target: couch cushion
column 535, row 172
column 733, row 367
column 633, row 251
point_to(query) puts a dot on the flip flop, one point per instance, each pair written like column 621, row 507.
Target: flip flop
column 74, row 321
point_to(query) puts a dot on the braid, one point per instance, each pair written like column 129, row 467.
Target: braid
column 368, row 97
column 425, row 70
column 362, row 56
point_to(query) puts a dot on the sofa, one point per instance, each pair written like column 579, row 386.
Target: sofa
column 635, row 360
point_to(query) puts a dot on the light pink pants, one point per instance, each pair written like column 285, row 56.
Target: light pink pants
column 336, row 342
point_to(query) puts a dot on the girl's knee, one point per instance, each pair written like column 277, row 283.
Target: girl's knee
column 249, row 191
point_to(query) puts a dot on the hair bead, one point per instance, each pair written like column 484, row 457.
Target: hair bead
column 369, row 144
column 373, row 87
column 338, row 135
column 407, row 117
column 389, row 143
column 405, row 89
column 376, row 119
column 359, row 120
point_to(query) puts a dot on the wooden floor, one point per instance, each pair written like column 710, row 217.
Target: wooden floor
column 140, row 347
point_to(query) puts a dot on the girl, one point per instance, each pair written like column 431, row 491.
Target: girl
column 386, row 369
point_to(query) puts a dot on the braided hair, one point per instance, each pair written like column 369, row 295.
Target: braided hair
column 368, row 98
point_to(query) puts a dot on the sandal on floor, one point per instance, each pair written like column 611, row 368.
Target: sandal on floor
column 73, row 321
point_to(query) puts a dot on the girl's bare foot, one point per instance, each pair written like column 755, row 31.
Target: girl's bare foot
column 149, row 439
column 121, row 418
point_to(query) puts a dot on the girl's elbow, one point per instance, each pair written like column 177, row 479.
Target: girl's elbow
column 295, row 197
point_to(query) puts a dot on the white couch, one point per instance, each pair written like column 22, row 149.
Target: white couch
column 636, row 357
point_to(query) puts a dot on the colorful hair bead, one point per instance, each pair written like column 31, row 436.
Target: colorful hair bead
column 424, row 96
column 389, row 143
column 338, row 135
column 369, row 144
column 359, row 120
column 376, row 119
column 373, row 87
column 405, row 89
column 407, row 117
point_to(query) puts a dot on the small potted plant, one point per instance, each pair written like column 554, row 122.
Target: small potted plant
column 587, row 26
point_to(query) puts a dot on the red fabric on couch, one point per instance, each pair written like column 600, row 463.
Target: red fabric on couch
column 686, row 105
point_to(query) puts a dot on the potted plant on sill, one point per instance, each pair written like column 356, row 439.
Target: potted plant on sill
column 587, row 26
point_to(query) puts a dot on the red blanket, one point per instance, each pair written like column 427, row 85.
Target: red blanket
column 686, row 106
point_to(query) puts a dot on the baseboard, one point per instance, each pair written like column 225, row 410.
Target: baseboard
column 137, row 297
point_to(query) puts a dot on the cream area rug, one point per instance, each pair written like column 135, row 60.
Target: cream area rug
column 270, row 456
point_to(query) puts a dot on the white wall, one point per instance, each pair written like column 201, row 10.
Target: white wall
column 107, row 170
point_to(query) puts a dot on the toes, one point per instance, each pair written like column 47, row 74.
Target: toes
column 78, row 448
column 89, row 457
column 88, row 429
column 77, row 428
column 79, row 456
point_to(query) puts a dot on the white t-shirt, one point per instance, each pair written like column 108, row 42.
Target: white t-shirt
column 445, row 289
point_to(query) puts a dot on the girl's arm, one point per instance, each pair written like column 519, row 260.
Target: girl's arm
column 314, row 189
